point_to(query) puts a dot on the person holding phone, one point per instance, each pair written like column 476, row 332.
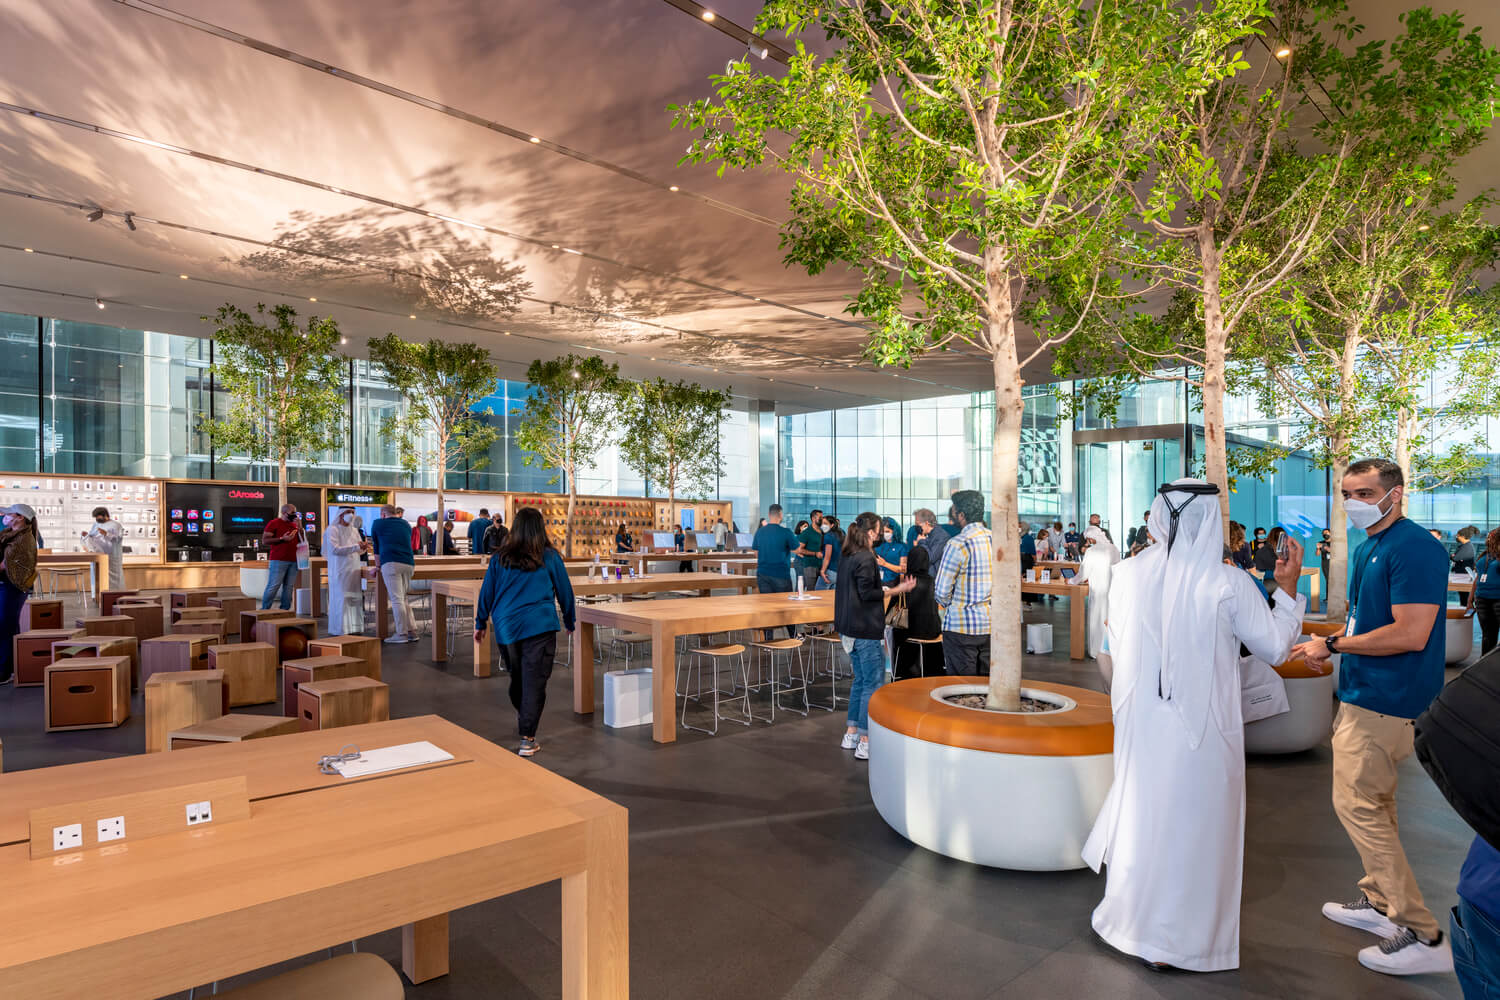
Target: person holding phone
column 281, row 535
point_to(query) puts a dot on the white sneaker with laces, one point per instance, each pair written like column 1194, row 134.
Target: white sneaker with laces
column 397, row 638
column 862, row 752
column 1361, row 914
column 851, row 740
column 1404, row 954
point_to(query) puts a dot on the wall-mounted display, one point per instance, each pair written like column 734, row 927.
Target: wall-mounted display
column 595, row 519
column 217, row 522
column 65, row 510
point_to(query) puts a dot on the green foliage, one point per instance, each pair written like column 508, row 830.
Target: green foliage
column 442, row 384
column 669, row 434
column 568, row 416
column 286, row 384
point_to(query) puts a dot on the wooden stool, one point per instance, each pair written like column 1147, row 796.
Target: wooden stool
column 289, row 636
column 193, row 614
column 37, row 614
column 366, row 647
column 190, row 598
column 211, row 627
column 172, row 653
column 249, row 619
column 922, row 645
column 177, row 699
column 147, row 615
column 347, row 701
column 231, row 729
column 249, row 670
column 295, row 673
column 356, row 976
column 101, row 645
column 232, row 606
column 107, row 599
column 107, row 625
column 32, row 653
column 87, row 693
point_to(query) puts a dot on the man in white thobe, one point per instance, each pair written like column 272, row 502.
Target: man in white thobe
column 1098, row 562
column 346, row 603
column 105, row 536
column 1172, row 829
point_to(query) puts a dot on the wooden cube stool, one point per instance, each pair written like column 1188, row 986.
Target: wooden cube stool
column 190, row 598
column 366, row 647
column 290, row 636
column 107, row 599
column 211, row 627
column 87, row 693
column 107, row 625
column 348, row 701
column 147, row 615
column 171, row 653
column 86, row 645
column 32, row 653
column 37, row 614
column 177, row 699
column 231, row 729
column 249, row 619
column 193, row 614
column 249, row 670
column 295, row 673
column 232, row 606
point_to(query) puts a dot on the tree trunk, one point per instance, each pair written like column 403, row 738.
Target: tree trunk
column 1215, row 341
column 1337, row 584
column 442, row 474
column 568, row 527
column 1403, row 450
column 1005, row 572
column 280, row 484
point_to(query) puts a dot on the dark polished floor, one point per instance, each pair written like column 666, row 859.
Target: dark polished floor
column 759, row 868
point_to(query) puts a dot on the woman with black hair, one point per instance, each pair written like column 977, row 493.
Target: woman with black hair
column 18, row 545
column 859, row 616
column 833, row 549
column 525, row 584
column 923, row 621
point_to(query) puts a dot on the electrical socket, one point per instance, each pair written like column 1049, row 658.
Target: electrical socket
column 192, row 814
column 67, row 837
column 111, row 829
column 199, row 812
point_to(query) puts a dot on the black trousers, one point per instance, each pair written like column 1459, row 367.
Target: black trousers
column 966, row 655
column 12, row 598
column 775, row 585
column 530, row 664
column 1487, row 610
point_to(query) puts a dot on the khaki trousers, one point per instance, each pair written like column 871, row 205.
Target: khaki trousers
column 1367, row 747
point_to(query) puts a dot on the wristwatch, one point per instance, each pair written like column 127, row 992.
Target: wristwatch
column 1330, row 640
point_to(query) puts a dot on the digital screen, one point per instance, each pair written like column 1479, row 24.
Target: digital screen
column 219, row 521
column 705, row 539
column 662, row 540
column 743, row 540
column 247, row 520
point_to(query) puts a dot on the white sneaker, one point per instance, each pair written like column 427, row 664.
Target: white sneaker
column 862, row 752
column 1361, row 914
column 851, row 740
column 397, row 638
column 1403, row 954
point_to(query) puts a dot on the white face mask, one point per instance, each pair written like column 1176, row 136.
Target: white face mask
column 889, row 536
column 1365, row 515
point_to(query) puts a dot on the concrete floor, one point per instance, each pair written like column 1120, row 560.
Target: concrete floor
column 759, row 868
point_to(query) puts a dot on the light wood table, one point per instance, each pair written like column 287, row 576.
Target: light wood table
column 98, row 563
column 468, row 591
column 743, row 567
column 192, row 907
column 1314, row 587
column 472, row 570
column 664, row 621
column 317, row 568
column 640, row 559
column 1077, row 594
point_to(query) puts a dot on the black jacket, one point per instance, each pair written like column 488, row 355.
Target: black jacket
column 858, row 600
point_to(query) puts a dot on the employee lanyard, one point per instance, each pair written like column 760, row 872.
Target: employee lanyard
column 1359, row 569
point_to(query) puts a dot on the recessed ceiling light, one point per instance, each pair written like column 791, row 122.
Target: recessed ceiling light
column 535, row 139
column 507, row 333
column 708, row 15
column 312, row 298
column 412, row 316
column 673, row 188
column 183, row 277
column 99, row 303
column 1283, row 52
column 28, row 249
column 343, row 340
column 556, row 247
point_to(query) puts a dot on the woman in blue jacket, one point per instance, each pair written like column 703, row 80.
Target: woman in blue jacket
column 524, row 586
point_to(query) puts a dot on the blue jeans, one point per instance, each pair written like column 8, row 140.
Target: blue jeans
column 281, row 574
column 1476, row 952
column 868, row 660
column 833, row 579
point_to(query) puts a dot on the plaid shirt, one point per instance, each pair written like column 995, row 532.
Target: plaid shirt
column 963, row 581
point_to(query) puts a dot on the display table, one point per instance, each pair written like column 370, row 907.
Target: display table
column 1077, row 595
column 318, row 569
column 664, row 621
column 198, row 906
column 98, row 564
column 640, row 559
column 471, row 570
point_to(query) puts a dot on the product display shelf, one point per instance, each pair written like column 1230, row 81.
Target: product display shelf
column 595, row 519
column 65, row 505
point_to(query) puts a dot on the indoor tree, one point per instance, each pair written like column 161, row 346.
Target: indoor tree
column 567, row 418
column 969, row 160
column 443, row 384
column 286, row 384
column 669, row 434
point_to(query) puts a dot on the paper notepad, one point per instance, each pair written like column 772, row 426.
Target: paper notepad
column 392, row 759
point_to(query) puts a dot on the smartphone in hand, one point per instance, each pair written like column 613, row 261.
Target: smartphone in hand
column 1283, row 547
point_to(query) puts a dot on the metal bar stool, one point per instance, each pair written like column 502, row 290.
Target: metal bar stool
column 832, row 642
column 629, row 642
column 716, row 655
column 776, row 650
column 921, row 645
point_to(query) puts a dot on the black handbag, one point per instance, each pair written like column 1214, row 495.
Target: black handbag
column 1458, row 742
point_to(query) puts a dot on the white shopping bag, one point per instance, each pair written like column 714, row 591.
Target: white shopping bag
column 1039, row 638
column 1262, row 691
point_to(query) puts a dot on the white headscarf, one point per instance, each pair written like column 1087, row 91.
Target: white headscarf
column 340, row 534
column 1178, row 606
column 1097, row 537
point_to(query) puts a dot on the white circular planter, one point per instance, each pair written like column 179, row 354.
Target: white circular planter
column 1460, row 636
column 253, row 580
column 1305, row 725
column 1030, row 812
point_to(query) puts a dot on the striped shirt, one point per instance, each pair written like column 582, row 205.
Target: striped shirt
column 963, row 581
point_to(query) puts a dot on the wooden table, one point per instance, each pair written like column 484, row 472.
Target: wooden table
column 664, row 621
column 318, row 566
column 98, row 563
column 640, row 559
column 472, row 570
column 191, row 907
column 1314, row 587
column 468, row 591
column 1077, row 594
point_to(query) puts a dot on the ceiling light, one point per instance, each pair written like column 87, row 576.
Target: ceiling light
column 99, row 303
column 575, row 373
column 674, row 187
column 707, row 15
column 759, row 49
column 535, row 139
column 183, row 277
column 1423, row 228
column 28, row 249
column 507, row 333
column 1283, row 52
column 96, row 215
column 130, row 221
column 412, row 316
column 343, row 340
column 312, row 299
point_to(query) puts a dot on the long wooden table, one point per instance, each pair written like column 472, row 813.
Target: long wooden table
column 468, row 591
column 1077, row 595
column 467, row 571
column 318, row 567
column 154, row 916
column 664, row 621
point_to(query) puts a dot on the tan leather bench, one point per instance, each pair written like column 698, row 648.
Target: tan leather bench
column 358, row 976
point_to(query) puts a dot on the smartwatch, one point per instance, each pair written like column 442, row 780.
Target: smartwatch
column 1329, row 641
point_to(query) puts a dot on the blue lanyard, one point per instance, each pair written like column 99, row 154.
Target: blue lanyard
column 1359, row 569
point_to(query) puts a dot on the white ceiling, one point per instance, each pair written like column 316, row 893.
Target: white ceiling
column 312, row 144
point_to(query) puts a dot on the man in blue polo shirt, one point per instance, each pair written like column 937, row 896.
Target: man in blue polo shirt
column 1393, row 650
column 774, row 544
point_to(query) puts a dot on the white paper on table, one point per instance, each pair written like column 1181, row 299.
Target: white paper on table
column 392, row 759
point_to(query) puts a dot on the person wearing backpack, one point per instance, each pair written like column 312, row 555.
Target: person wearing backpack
column 1485, row 600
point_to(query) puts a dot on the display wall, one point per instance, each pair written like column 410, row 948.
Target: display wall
column 222, row 522
column 65, row 510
